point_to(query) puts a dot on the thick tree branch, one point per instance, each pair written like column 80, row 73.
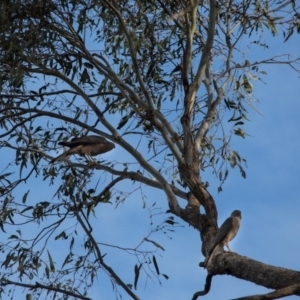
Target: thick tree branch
column 287, row 291
column 207, row 48
column 210, row 116
column 254, row 271
column 190, row 31
column 190, row 96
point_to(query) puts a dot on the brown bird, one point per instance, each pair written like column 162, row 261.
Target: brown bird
column 90, row 145
column 226, row 233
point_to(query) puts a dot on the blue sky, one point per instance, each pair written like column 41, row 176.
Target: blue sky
column 269, row 199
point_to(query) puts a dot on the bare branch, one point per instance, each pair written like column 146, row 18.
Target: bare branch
column 135, row 176
column 100, row 259
column 107, row 188
column 116, row 9
column 38, row 285
column 190, row 31
column 207, row 48
column 206, row 287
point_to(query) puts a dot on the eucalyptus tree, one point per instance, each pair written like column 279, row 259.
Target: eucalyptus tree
column 161, row 80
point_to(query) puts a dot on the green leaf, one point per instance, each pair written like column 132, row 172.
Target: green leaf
column 247, row 85
column 236, row 155
column 1, row 226
column 232, row 161
column 154, row 243
column 62, row 235
column 240, row 132
column 125, row 119
column 155, row 264
column 239, row 123
column 13, row 237
column 136, row 274
column 170, row 222
column 52, row 267
column 88, row 65
column 27, row 208
column 243, row 173
column 226, row 174
column 25, row 197
column 28, row 297
column 5, row 175
column 23, row 163
column 47, row 272
column 67, row 260
column 235, row 119
column 72, row 243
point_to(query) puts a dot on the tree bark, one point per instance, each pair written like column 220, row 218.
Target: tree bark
column 245, row 268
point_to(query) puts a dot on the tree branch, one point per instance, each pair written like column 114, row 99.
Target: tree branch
column 136, row 177
column 190, row 96
column 206, row 287
column 41, row 113
column 97, row 198
column 242, row 267
column 37, row 285
column 131, row 47
column 162, row 184
column 190, row 31
column 287, row 291
column 110, row 271
column 207, row 48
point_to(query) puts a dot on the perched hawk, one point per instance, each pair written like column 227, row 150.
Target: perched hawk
column 226, row 233
column 90, row 145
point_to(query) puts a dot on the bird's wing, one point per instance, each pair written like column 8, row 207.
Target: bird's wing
column 95, row 149
column 65, row 154
column 58, row 158
column 222, row 233
column 84, row 140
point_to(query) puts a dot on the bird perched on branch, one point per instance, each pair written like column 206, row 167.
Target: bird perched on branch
column 90, row 145
column 226, row 233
